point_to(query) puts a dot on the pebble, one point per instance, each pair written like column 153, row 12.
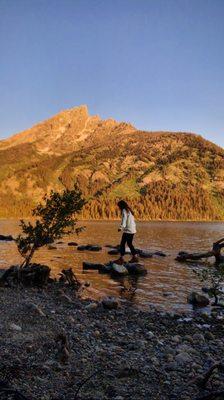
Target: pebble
column 183, row 358
column 15, row 327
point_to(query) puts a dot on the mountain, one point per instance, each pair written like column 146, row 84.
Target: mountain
column 164, row 175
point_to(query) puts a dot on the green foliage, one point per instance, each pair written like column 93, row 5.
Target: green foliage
column 54, row 218
column 214, row 276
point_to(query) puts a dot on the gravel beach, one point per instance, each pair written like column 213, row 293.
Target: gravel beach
column 123, row 353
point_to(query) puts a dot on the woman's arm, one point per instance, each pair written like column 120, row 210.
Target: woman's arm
column 123, row 220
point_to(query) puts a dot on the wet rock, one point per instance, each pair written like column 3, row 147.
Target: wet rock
column 92, row 266
column 82, row 248
column 50, row 247
column 198, row 299
column 136, row 269
column 110, row 303
column 95, row 248
column 106, row 268
column 119, row 270
column 7, row 238
column 89, row 247
column 145, row 254
column 160, row 254
column 72, row 244
column 113, row 252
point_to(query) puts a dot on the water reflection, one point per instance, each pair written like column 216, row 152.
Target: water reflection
column 167, row 283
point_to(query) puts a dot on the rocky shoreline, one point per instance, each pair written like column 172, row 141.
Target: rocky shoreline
column 55, row 346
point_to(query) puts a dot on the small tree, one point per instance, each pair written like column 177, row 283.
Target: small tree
column 55, row 218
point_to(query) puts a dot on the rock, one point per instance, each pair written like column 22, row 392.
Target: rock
column 15, row 327
column 89, row 247
column 95, row 248
column 92, row 266
column 198, row 299
column 176, row 339
column 155, row 361
column 72, row 244
column 110, row 303
column 50, row 247
column 119, row 270
column 183, row 358
column 145, row 254
column 160, row 254
column 31, row 275
column 198, row 338
column 149, row 335
column 136, row 269
column 105, row 269
column 209, row 336
column 8, row 238
column 81, row 248
column 113, row 252
column 91, row 306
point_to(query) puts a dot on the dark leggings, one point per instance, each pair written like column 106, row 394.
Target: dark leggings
column 127, row 238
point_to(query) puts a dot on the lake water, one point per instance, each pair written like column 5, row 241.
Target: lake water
column 167, row 283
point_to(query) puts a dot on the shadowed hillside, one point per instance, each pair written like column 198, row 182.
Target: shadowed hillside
column 164, row 175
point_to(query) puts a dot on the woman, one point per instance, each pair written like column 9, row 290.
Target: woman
column 128, row 227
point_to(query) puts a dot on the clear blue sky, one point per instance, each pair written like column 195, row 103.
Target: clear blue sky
column 158, row 64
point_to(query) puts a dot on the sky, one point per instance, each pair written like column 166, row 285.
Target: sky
column 158, row 64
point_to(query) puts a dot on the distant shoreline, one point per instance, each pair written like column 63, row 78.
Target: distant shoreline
column 137, row 220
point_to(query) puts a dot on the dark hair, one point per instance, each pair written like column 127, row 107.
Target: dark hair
column 123, row 205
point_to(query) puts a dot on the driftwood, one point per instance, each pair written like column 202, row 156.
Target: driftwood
column 32, row 275
column 214, row 252
column 67, row 275
column 63, row 348
column 184, row 256
column 203, row 380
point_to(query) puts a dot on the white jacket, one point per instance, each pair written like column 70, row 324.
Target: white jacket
column 128, row 222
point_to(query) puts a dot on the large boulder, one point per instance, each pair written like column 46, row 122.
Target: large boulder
column 31, row 275
column 119, row 270
column 198, row 299
column 136, row 269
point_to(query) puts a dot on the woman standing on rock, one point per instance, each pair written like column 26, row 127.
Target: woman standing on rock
column 128, row 227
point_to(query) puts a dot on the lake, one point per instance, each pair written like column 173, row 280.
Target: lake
column 167, row 283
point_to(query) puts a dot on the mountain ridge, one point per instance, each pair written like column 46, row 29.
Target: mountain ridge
column 164, row 175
